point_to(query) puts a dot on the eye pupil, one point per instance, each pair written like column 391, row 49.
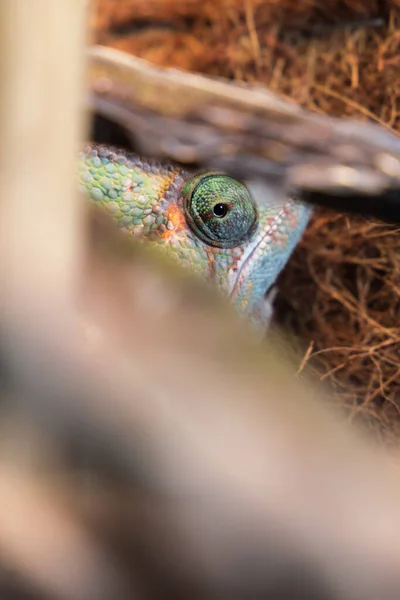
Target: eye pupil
column 220, row 210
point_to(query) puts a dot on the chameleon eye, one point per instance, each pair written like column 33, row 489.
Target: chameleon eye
column 219, row 209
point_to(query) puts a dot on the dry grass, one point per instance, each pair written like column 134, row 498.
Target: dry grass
column 341, row 290
column 346, row 305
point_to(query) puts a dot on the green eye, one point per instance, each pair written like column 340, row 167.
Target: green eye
column 219, row 209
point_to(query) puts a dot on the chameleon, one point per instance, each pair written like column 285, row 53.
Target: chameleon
column 207, row 220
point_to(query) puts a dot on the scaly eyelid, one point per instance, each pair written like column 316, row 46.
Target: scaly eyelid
column 202, row 190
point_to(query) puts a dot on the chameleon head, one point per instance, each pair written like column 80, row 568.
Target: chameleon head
column 208, row 221
column 248, row 243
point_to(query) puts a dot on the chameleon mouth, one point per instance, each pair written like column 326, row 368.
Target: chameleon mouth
column 251, row 283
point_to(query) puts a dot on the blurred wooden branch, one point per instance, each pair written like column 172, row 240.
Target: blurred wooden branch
column 230, row 467
column 249, row 132
column 41, row 123
column 41, row 70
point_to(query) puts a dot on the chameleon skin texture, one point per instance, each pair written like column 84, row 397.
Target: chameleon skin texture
column 166, row 205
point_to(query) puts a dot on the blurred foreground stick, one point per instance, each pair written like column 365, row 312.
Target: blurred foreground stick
column 249, row 132
column 234, row 472
column 234, row 482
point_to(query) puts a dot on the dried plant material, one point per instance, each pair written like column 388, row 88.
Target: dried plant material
column 110, row 14
column 347, row 301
